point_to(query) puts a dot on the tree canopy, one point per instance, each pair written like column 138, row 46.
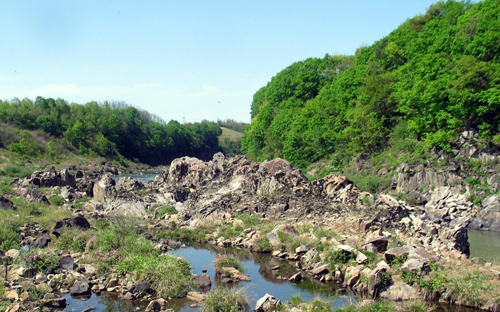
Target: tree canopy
column 436, row 74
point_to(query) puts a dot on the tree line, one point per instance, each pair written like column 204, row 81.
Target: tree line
column 109, row 129
column 435, row 75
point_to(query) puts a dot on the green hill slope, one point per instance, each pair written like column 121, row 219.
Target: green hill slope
column 428, row 80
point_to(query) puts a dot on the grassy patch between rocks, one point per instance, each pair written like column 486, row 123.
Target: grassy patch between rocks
column 227, row 300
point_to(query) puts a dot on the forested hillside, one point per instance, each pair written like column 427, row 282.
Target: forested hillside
column 434, row 76
column 49, row 127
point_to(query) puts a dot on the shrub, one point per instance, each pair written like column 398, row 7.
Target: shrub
column 225, row 300
column 170, row 275
column 56, row 200
column 227, row 261
column 166, row 210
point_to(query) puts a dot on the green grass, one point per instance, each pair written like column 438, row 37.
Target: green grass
column 227, row 261
column 225, row 300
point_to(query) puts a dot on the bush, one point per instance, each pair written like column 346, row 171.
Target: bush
column 170, row 275
column 227, row 261
column 56, row 200
column 166, row 210
column 13, row 170
column 248, row 219
column 225, row 300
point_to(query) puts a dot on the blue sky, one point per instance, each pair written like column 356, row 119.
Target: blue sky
column 184, row 60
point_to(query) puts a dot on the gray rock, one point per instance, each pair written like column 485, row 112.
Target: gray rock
column 413, row 264
column 203, row 280
column 55, row 303
column 399, row 290
column 273, row 236
column 379, row 242
column 393, row 253
column 67, row 263
column 6, row 204
column 41, row 242
column 301, row 249
column 267, row 303
column 322, row 269
column 81, row 288
column 74, row 223
column 296, row 278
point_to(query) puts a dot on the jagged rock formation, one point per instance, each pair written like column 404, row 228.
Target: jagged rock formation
column 276, row 190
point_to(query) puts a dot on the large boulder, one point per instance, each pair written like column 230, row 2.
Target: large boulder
column 267, row 303
column 104, row 189
column 284, row 229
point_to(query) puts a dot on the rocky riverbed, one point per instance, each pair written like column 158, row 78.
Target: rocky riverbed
column 375, row 246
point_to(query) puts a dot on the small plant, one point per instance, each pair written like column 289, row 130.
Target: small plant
column 166, row 210
column 225, row 300
column 248, row 219
column 42, row 262
column 227, row 261
column 339, row 256
column 56, row 200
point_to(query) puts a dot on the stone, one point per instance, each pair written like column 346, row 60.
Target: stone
column 361, row 258
column 267, row 303
column 74, row 223
column 301, row 249
column 379, row 242
column 81, row 288
column 322, row 269
column 55, row 303
column 6, row 204
column 67, row 263
column 352, row 275
column 41, row 242
column 104, row 189
column 399, row 290
column 396, row 252
column 141, row 288
column 203, row 280
column 296, row 278
column 195, row 296
column 413, row 264
column 153, row 306
column 11, row 294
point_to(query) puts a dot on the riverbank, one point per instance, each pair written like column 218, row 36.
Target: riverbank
column 115, row 233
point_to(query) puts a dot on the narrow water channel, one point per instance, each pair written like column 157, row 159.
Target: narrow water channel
column 144, row 177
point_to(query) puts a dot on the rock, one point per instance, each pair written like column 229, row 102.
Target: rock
column 352, row 275
column 41, row 242
column 379, row 242
column 11, row 295
column 296, row 278
column 397, row 252
column 6, row 204
column 74, row 223
column 203, row 280
column 104, row 189
column 322, row 269
column 35, row 196
column 267, row 303
column 399, row 290
column 301, row 249
column 361, row 258
column 370, row 247
column 67, row 263
column 81, row 288
column 55, row 303
column 153, row 306
column 195, row 296
column 413, row 264
column 140, row 289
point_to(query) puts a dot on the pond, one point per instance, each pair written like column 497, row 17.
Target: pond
column 257, row 266
column 485, row 244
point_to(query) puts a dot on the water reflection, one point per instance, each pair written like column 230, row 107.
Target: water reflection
column 143, row 177
column 485, row 244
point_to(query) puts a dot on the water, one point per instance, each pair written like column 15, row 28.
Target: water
column 264, row 280
column 485, row 244
column 257, row 266
column 144, row 177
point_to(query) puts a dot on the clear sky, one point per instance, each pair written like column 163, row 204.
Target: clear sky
column 178, row 59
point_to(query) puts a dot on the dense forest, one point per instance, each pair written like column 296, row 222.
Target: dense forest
column 431, row 78
column 46, row 127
